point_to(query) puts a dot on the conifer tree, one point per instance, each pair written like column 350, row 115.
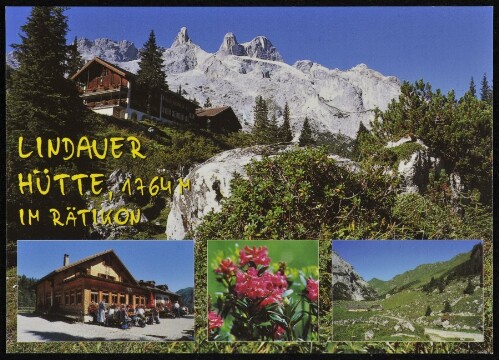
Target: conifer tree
column 285, row 133
column 447, row 307
column 362, row 134
column 39, row 87
column 41, row 102
column 306, row 136
column 472, row 89
column 486, row 91
column 261, row 121
column 75, row 61
column 273, row 131
column 428, row 311
column 207, row 103
column 151, row 77
column 470, row 289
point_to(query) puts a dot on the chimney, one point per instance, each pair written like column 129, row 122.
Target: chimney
column 66, row 260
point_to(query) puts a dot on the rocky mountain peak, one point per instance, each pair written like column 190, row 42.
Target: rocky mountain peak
column 182, row 38
column 230, row 46
column 261, row 47
column 107, row 49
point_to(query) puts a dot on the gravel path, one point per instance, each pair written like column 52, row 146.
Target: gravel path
column 439, row 335
column 31, row 328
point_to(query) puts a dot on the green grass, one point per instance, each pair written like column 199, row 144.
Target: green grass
column 418, row 276
column 410, row 305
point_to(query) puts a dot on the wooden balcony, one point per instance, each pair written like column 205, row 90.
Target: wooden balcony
column 106, row 103
column 103, row 91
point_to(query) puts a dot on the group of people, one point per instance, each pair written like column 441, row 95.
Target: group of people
column 126, row 313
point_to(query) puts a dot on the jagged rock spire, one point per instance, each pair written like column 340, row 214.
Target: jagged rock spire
column 260, row 47
column 182, row 38
column 231, row 46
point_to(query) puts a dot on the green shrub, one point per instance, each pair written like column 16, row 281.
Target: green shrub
column 303, row 194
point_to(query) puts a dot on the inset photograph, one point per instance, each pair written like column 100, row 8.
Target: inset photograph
column 408, row 290
column 133, row 290
column 263, row 290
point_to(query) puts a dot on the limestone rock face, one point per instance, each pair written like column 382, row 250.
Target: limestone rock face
column 230, row 46
column 210, row 183
column 347, row 283
column 112, row 231
column 415, row 170
column 108, row 50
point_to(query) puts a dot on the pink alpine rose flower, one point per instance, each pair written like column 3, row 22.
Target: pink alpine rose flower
column 266, row 287
column 226, row 267
column 259, row 255
column 312, row 289
column 214, row 320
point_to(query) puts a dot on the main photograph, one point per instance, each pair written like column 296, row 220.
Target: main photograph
column 250, row 123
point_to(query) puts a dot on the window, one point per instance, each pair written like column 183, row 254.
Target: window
column 115, row 298
column 72, row 297
column 105, row 297
column 94, row 296
column 104, row 276
column 66, row 298
column 78, row 296
column 58, row 299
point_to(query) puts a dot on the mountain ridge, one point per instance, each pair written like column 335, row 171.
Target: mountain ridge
column 335, row 101
column 419, row 275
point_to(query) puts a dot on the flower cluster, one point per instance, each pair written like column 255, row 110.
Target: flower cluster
column 214, row 320
column 258, row 255
column 267, row 287
column 312, row 289
column 259, row 300
column 226, row 267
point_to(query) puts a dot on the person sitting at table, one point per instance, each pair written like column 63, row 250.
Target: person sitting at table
column 110, row 314
column 124, row 317
column 155, row 314
column 140, row 312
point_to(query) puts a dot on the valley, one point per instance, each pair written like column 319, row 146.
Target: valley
column 411, row 310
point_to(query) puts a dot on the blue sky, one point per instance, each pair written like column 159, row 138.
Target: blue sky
column 166, row 262
column 383, row 259
column 442, row 45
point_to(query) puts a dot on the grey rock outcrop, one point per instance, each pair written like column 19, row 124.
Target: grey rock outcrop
column 415, row 171
column 347, row 283
column 112, row 231
column 210, row 183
